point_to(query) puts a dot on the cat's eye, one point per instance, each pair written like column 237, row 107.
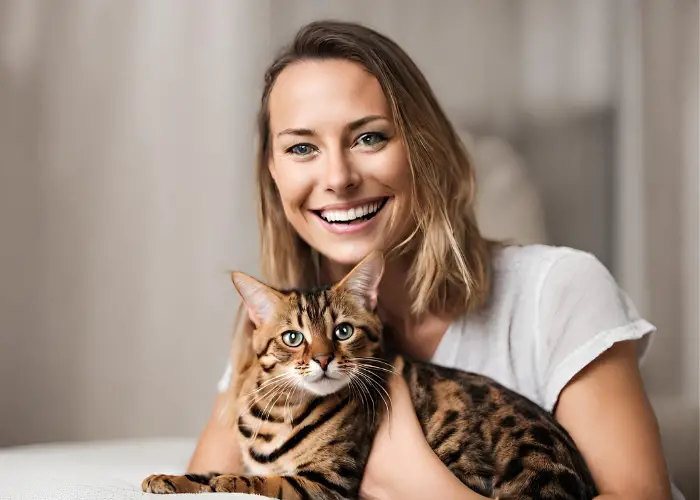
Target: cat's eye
column 292, row 338
column 343, row 331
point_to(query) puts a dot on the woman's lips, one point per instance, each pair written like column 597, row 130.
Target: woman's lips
column 351, row 220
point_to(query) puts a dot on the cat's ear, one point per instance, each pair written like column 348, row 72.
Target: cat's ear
column 260, row 299
column 363, row 280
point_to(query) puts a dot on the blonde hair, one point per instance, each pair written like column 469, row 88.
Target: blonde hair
column 450, row 258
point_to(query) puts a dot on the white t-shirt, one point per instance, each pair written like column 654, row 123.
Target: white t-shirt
column 552, row 311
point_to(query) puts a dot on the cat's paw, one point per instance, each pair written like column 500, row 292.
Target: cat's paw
column 230, row 484
column 164, row 484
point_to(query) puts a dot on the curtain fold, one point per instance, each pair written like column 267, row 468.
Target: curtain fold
column 127, row 194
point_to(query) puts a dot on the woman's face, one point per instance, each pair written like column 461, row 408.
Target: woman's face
column 339, row 165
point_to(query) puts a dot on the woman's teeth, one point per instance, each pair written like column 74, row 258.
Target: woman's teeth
column 346, row 216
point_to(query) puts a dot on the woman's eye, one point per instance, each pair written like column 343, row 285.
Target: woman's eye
column 292, row 338
column 371, row 139
column 301, row 149
column 343, row 331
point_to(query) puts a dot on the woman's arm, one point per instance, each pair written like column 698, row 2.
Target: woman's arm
column 217, row 449
column 607, row 413
column 402, row 464
column 604, row 409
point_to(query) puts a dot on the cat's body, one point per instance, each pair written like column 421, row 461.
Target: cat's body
column 307, row 413
column 494, row 440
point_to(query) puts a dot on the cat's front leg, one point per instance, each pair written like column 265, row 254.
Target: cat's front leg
column 282, row 487
column 189, row 483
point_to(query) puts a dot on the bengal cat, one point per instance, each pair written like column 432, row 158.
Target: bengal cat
column 310, row 404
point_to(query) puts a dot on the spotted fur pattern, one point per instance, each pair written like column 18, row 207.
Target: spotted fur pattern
column 307, row 413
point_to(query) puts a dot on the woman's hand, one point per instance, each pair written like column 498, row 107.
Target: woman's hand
column 401, row 463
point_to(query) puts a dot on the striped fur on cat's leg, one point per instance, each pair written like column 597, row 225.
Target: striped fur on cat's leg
column 295, row 487
column 313, row 486
column 189, row 483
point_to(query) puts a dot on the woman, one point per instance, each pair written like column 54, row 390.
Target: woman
column 356, row 154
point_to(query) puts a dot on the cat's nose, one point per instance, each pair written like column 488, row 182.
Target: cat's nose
column 323, row 360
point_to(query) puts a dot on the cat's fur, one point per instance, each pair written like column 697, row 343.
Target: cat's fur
column 307, row 438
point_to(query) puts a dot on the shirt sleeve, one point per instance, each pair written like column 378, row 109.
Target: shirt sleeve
column 225, row 379
column 582, row 313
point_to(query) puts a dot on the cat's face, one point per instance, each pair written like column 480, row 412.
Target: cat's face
column 318, row 341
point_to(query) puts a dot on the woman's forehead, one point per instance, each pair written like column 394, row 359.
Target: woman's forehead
column 324, row 93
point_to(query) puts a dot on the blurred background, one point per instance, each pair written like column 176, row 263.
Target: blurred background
column 126, row 183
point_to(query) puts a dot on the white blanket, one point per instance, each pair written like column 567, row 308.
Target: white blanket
column 104, row 470
column 101, row 470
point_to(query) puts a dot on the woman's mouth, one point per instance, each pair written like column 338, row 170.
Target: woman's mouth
column 353, row 215
column 351, row 219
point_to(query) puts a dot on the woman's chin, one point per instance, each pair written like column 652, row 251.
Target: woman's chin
column 350, row 253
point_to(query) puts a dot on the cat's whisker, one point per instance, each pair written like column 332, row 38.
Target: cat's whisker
column 267, row 383
column 355, row 389
column 353, row 394
column 362, row 388
column 367, row 363
column 269, row 397
column 355, row 384
column 371, row 370
column 373, row 359
column 282, row 392
column 365, row 404
column 375, row 383
column 271, row 405
column 377, row 379
column 286, row 403
column 271, row 390
column 380, row 368
column 363, row 379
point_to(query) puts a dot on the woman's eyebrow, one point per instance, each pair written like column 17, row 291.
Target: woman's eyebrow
column 354, row 125
column 297, row 131
column 365, row 120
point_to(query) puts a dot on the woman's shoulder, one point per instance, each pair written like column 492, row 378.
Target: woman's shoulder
column 541, row 285
column 538, row 256
column 558, row 308
column 532, row 267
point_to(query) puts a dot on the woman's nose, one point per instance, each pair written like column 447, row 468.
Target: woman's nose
column 340, row 174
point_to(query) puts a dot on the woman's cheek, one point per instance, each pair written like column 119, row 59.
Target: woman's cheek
column 293, row 184
column 389, row 166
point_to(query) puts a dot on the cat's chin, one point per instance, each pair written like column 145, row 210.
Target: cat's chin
column 325, row 386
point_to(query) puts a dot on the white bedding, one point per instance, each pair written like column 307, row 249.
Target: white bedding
column 102, row 470
column 109, row 470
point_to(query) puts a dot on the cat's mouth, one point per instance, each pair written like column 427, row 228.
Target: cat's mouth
column 324, row 376
column 325, row 384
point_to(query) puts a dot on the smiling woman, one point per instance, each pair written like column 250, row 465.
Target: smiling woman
column 356, row 156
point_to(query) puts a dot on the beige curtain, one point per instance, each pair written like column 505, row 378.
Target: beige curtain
column 125, row 197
